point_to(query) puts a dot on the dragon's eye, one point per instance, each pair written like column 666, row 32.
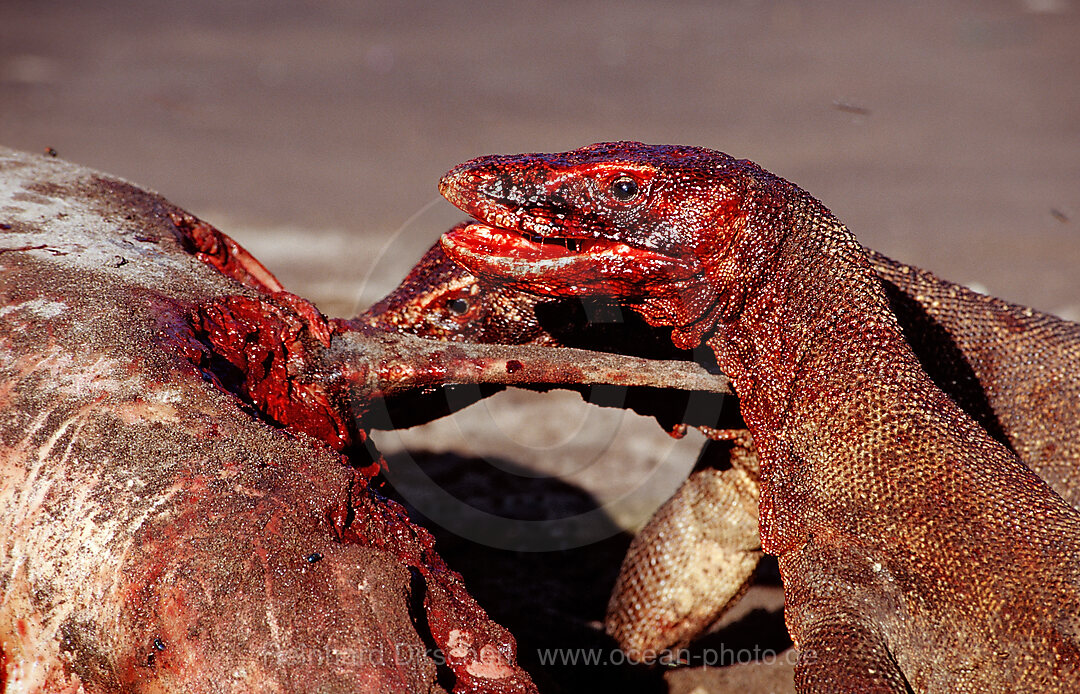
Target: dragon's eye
column 624, row 188
column 458, row 306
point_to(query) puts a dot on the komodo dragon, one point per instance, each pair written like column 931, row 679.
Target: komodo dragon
column 698, row 553
column 918, row 553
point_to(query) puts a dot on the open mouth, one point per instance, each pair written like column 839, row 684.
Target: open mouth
column 509, row 243
column 575, row 245
column 562, row 266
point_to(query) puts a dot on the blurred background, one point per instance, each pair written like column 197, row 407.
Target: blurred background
column 945, row 134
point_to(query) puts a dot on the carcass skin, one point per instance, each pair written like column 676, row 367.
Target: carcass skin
column 185, row 464
column 160, row 534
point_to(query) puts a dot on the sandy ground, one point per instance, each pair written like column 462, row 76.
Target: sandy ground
column 945, row 134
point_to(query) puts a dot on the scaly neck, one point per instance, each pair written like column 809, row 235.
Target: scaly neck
column 817, row 320
column 814, row 349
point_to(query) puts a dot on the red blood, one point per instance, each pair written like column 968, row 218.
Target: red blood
column 215, row 248
column 264, row 341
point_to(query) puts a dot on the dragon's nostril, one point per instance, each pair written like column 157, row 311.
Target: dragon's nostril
column 492, row 187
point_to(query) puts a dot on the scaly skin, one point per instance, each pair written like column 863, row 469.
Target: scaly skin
column 918, row 553
column 698, row 552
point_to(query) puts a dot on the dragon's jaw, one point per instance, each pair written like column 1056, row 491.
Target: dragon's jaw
column 541, row 230
column 563, row 266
